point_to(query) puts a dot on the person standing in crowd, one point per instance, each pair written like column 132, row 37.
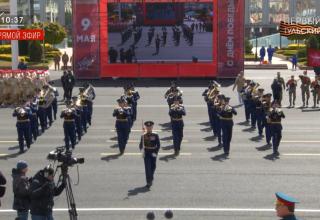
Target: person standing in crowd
column 21, row 190
column 42, row 191
column 291, row 87
column 276, row 90
column 239, row 83
column 113, row 55
column 285, row 206
column 315, row 86
column 3, row 182
column 157, row 42
column 176, row 112
column 23, row 115
column 54, row 104
column 122, row 56
column 283, row 85
column 150, row 145
column 22, row 65
column 294, row 61
column 69, row 83
column 305, row 88
column 57, row 60
column 262, row 54
column 275, row 116
column 65, row 60
column 270, row 52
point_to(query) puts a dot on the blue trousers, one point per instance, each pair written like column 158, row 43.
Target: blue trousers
column 40, row 217
column 246, row 109
column 55, row 108
column 218, row 128
column 49, row 115
column 69, row 129
column 34, row 126
column 260, row 123
column 226, row 127
column 276, row 133
column 78, row 127
column 84, row 117
column 43, row 118
column 24, row 134
column 123, row 129
column 134, row 111
column 90, row 111
column 252, row 113
column 177, row 134
column 150, row 166
column 23, row 215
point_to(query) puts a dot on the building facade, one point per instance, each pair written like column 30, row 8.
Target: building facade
column 262, row 17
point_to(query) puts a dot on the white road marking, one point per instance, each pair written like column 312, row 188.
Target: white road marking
column 5, row 142
column 139, row 154
column 302, row 154
column 302, row 141
column 174, row 209
column 113, row 130
column 151, row 106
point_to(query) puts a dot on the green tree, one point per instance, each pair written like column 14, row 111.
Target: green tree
column 248, row 46
column 313, row 42
column 54, row 32
column 35, row 51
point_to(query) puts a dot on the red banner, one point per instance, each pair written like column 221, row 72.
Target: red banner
column 313, row 57
column 230, row 38
column 86, row 54
column 9, row 34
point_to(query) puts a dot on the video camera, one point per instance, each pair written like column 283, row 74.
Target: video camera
column 64, row 157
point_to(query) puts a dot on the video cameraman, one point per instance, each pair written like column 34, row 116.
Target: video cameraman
column 21, row 190
column 43, row 190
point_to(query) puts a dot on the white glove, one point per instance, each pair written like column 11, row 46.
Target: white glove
column 154, row 155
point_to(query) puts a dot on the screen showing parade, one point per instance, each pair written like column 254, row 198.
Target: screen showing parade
column 160, row 32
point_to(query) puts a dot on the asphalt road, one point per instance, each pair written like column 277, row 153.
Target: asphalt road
column 199, row 184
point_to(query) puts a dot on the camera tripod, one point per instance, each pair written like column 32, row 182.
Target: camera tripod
column 65, row 178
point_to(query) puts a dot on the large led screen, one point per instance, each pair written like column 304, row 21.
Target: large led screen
column 160, row 32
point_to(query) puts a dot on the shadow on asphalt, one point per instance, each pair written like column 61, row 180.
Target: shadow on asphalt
column 249, row 129
column 148, row 82
column 14, row 148
column 220, row 158
column 169, row 138
column 170, row 147
column 264, row 147
column 137, row 190
column 204, row 123
column 9, row 156
column 271, row 157
column 210, row 138
column 244, row 123
column 257, row 138
column 168, row 158
column 214, row 149
column 206, row 129
column 311, row 110
column 166, row 125
column 111, row 157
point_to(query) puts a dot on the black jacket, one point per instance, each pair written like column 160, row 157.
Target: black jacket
column 3, row 182
column 42, row 193
column 21, row 191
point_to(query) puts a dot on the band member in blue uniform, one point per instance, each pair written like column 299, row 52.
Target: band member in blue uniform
column 275, row 116
column 54, row 104
column 84, row 104
column 122, row 124
column 136, row 97
column 69, row 126
column 150, row 145
column 42, row 114
column 48, row 107
column 226, row 121
column 217, row 108
column 91, row 96
column 23, row 115
column 259, row 110
column 34, row 119
column 176, row 112
column 173, row 92
column 78, row 108
column 266, row 102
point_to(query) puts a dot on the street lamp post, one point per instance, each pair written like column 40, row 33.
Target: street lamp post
column 256, row 31
column 280, row 38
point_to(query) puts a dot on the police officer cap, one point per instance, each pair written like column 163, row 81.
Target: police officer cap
column 150, row 216
column 51, row 83
column 252, row 82
column 81, row 89
column 285, row 199
column 168, row 214
column 173, row 84
column 149, row 123
column 85, row 85
column 261, row 90
column 74, row 97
